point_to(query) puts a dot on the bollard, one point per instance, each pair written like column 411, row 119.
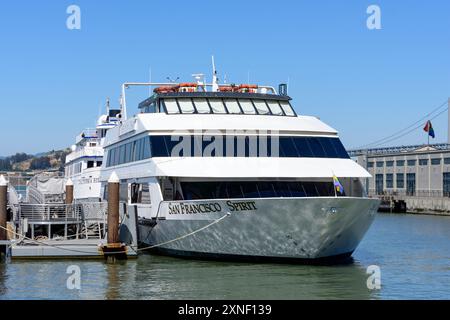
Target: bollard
column 3, row 211
column 69, row 191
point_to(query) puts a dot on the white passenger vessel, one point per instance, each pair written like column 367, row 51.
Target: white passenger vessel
column 233, row 172
column 83, row 164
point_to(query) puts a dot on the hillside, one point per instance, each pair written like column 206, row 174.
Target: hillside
column 22, row 162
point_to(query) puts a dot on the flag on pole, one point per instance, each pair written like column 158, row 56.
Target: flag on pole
column 337, row 185
column 429, row 128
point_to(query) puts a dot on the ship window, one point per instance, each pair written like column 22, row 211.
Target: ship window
column 261, row 106
column 99, row 163
column 202, row 106
column 122, row 154
column 287, row 147
column 159, row 148
column 110, row 157
column 127, row 152
column 146, row 152
column 316, row 147
column 137, row 150
column 303, row 147
column 217, row 106
column 287, row 108
column 275, row 107
column 232, row 106
column 171, row 106
column 116, row 157
column 246, row 146
column 186, row 105
column 256, row 189
column 90, row 164
column 247, row 106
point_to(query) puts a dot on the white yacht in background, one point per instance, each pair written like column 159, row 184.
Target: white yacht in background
column 234, row 173
column 83, row 164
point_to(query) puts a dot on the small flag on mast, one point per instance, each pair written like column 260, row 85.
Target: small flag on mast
column 337, row 185
column 429, row 128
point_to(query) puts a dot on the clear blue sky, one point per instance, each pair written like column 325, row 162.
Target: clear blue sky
column 365, row 83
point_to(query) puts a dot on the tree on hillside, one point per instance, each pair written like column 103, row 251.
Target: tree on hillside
column 40, row 163
column 19, row 157
column 5, row 164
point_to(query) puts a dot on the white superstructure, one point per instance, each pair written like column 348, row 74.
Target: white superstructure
column 83, row 164
column 240, row 172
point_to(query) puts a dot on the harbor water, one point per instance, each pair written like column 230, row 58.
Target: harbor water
column 412, row 252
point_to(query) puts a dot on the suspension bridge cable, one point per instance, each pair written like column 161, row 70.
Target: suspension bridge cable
column 400, row 132
column 409, row 131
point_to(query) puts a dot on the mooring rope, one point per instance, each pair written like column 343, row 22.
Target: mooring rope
column 135, row 249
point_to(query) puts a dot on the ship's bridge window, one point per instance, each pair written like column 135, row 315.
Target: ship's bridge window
column 275, row 107
column 261, row 106
column 171, row 106
column 287, row 108
column 247, row 106
column 186, row 105
column 202, row 106
column 233, row 106
column 217, row 106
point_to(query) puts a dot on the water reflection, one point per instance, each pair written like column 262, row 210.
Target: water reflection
column 412, row 252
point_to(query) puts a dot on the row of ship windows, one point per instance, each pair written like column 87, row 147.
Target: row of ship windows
column 225, row 106
column 412, row 162
column 242, row 146
column 256, row 189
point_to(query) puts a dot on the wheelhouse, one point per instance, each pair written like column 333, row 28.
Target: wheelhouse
column 244, row 103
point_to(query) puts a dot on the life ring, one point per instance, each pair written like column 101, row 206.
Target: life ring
column 187, row 87
column 248, row 88
column 229, row 88
column 165, row 89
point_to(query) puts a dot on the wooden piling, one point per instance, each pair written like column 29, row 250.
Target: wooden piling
column 114, row 249
column 3, row 211
column 69, row 192
column 113, row 209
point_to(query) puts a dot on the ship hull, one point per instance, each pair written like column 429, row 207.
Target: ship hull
column 282, row 229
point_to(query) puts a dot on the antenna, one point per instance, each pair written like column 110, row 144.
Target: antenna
column 215, row 82
column 173, row 81
column 107, row 106
column 150, row 80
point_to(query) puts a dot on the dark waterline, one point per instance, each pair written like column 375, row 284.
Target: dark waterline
column 412, row 251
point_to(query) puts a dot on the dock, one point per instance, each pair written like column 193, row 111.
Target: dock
column 64, row 230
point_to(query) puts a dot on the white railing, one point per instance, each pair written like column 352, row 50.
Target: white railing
column 88, row 151
column 50, row 212
column 79, row 212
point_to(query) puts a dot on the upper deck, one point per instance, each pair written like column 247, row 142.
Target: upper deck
column 247, row 103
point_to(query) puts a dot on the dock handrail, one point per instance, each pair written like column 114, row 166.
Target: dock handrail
column 50, row 212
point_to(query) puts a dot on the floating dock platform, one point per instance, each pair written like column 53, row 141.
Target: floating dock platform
column 65, row 249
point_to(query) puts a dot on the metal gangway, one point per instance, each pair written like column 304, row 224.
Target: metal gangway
column 78, row 220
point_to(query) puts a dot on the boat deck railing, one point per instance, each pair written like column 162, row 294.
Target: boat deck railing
column 88, row 218
column 63, row 213
column 50, row 213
